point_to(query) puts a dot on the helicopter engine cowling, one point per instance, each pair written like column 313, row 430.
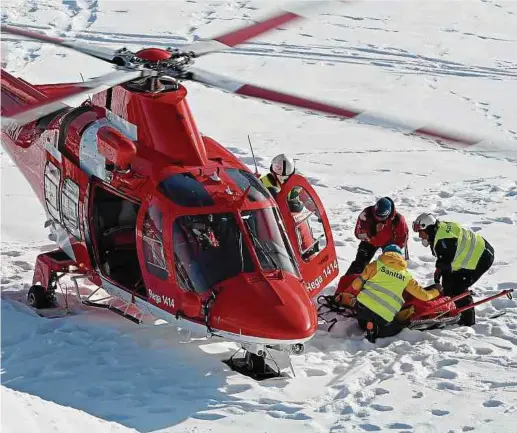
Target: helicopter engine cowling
column 160, row 121
column 115, row 147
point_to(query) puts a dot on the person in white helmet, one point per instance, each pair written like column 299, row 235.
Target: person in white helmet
column 462, row 257
column 282, row 167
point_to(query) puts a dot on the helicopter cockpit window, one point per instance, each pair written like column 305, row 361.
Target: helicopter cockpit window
column 185, row 190
column 269, row 241
column 310, row 232
column 208, row 249
column 152, row 243
column 244, row 180
column 70, row 207
column 52, row 179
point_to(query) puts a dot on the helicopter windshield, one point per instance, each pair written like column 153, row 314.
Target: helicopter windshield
column 245, row 180
column 269, row 241
column 185, row 190
column 209, row 249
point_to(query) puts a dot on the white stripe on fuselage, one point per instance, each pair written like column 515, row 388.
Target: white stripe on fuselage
column 193, row 326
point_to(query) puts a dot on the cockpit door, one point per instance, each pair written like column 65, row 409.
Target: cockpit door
column 310, row 234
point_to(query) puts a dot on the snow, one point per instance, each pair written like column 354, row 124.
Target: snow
column 448, row 62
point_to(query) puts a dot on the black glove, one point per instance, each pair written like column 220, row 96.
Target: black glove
column 434, row 286
column 437, row 275
column 295, row 205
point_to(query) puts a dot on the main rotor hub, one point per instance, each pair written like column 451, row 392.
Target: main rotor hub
column 153, row 54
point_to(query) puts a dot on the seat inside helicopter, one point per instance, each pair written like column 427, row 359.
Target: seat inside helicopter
column 114, row 229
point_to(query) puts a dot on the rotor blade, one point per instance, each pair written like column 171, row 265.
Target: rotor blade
column 361, row 116
column 35, row 111
column 295, row 12
column 90, row 50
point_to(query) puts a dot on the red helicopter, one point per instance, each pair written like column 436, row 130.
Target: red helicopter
column 164, row 219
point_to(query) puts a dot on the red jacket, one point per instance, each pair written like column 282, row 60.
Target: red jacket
column 381, row 233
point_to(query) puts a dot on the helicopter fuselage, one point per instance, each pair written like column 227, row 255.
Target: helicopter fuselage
column 166, row 218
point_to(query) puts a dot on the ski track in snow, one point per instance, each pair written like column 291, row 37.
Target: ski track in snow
column 391, row 59
column 147, row 378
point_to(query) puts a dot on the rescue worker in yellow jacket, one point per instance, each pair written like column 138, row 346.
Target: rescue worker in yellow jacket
column 380, row 294
column 462, row 257
column 281, row 169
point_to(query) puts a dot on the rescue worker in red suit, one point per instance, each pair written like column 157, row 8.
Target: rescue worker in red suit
column 378, row 226
column 462, row 257
column 379, row 293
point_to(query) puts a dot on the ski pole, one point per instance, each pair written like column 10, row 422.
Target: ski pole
column 462, row 295
column 507, row 292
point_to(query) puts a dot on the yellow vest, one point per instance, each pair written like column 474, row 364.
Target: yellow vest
column 382, row 294
column 470, row 245
column 268, row 183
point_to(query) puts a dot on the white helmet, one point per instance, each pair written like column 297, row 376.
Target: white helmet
column 423, row 221
column 282, row 166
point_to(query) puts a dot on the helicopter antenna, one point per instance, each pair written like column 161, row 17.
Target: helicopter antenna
column 254, row 160
column 89, row 96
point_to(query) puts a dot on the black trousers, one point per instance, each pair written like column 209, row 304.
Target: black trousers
column 365, row 253
column 457, row 282
column 382, row 328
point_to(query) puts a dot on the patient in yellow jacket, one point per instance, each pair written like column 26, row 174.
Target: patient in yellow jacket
column 378, row 294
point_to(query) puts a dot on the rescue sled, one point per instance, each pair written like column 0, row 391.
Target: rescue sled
column 435, row 314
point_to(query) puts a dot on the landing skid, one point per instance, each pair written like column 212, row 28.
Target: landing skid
column 258, row 367
column 115, row 304
column 264, row 362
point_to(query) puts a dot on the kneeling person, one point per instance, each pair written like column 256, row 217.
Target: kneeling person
column 380, row 294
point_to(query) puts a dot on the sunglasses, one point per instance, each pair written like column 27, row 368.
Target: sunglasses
column 381, row 218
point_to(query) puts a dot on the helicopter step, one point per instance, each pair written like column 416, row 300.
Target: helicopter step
column 116, row 310
column 128, row 310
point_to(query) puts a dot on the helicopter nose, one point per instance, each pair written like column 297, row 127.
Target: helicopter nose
column 276, row 309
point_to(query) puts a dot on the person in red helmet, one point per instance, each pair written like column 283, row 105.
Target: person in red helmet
column 378, row 226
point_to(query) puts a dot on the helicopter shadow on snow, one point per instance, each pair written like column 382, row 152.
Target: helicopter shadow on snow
column 146, row 378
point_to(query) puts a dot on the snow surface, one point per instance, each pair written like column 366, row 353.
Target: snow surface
column 448, row 62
